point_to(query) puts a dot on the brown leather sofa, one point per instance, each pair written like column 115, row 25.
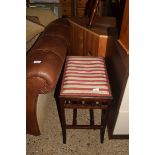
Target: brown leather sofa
column 44, row 64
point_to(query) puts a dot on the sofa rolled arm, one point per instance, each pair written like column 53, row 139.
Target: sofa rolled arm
column 44, row 63
column 43, row 71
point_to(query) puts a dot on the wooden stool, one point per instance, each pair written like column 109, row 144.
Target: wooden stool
column 84, row 85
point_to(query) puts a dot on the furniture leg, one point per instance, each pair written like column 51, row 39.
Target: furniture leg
column 59, row 110
column 74, row 116
column 91, row 117
column 63, row 120
column 104, row 114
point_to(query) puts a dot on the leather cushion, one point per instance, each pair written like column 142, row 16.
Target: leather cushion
column 48, row 69
column 52, row 44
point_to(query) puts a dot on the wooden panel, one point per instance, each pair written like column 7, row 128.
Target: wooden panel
column 124, row 33
column 77, row 40
column 102, row 46
column 80, row 12
column 117, row 61
column 92, row 44
column 95, row 45
column 81, row 3
column 66, row 11
column 88, row 41
column 66, row 7
column 66, row 2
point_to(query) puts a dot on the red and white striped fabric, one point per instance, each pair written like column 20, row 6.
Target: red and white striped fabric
column 85, row 76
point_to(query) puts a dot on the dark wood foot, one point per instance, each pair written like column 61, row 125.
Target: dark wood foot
column 104, row 114
column 62, row 119
column 64, row 135
column 102, row 131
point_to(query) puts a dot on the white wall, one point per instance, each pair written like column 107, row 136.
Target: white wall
column 122, row 123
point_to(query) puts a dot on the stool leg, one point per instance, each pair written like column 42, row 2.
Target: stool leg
column 59, row 111
column 63, row 120
column 74, row 116
column 104, row 114
column 91, row 117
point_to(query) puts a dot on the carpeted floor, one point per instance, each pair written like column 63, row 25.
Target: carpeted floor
column 79, row 142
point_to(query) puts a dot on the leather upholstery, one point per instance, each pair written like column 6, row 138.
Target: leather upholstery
column 43, row 67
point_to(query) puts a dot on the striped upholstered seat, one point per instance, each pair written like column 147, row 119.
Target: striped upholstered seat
column 85, row 76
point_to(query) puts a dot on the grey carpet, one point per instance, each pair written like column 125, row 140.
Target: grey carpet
column 79, row 142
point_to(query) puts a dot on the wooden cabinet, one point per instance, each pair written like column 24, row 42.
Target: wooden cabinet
column 86, row 41
column 118, row 66
column 81, row 5
column 66, row 7
column 124, row 33
column 70, row 6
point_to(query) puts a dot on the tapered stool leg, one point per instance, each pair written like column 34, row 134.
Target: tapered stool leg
column 91, row 117
column 63, row 120
column 74, row 116
column 104, row 114
column 59, row 110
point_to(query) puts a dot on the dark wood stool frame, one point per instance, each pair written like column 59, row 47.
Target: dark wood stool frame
column 77, row 103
